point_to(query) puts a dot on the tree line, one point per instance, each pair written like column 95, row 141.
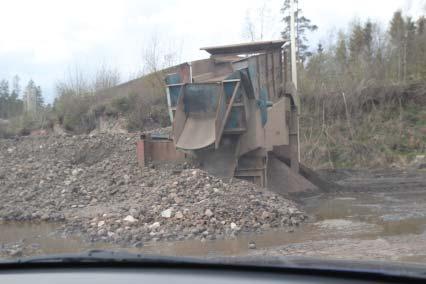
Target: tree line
column 368, row 55
column 14, row 104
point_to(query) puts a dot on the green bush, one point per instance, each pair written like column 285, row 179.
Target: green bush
column 160, row 115
column 75, row 114
column 121, row 104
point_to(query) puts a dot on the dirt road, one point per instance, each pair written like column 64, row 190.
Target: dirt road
column 380, row 215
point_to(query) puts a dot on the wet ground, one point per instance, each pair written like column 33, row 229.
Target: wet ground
column 377, row 215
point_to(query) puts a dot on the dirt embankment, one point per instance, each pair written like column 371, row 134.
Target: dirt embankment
column 92, row 185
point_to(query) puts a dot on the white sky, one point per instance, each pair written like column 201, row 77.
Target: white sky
column 43, row 39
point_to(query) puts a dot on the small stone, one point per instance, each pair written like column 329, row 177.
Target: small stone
column 101, row 223
column 178, row 200
column 16, row 252
column 208, row 213
column 252, row 245
column 265, row 215
column 233, row 226
column 178, row 215
column 166, row 213
column 102, row 232
column 126, row 179
column 74, row 172
column 154, row 225
column 130, row 219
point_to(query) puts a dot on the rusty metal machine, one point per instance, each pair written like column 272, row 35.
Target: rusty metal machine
column 238, row 116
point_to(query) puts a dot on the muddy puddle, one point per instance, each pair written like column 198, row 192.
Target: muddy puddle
column 352, row 216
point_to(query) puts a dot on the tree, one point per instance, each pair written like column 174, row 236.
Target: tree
column 30, row 100
column 4, row 98
column 368, row 40
column 397, row 27
column 257, row 27
column 397, row 34
column 409, row 59
column 39, row 98
column 10, row 104
column 303, row 25
column 420, row 43
column 341, row 53
column 421, row 25
column 4, row 89
column 356, row 42
column 106, row 78
column 249, row 31
column 16, row 88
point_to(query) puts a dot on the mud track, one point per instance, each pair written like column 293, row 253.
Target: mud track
column 379, row 215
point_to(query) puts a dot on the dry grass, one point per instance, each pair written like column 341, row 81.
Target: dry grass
column 377, row 127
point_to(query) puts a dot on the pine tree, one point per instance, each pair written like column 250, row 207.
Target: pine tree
column 30, row 97
column 410, row 49
column 39, row 98
column 303, row 25
column 368, row 40
column 341, row 52
column 4, row 89
column 4, row 98
column 16, row 88
column 397, row 28
column 420, row 43
column 421, row 25
column 356, row 43
column 397, row 34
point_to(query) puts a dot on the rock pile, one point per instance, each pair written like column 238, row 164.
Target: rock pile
column 93, row 186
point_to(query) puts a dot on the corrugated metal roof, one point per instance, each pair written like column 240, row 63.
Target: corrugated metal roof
column 244, row 48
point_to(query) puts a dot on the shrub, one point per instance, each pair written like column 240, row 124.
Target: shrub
column 121, row 104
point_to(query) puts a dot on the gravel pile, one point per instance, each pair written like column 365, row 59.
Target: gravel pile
column 19, row 249
column 93, row 186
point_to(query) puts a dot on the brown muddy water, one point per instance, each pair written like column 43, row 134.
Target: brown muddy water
column 383, row 210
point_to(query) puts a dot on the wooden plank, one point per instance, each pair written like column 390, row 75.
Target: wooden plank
column 235, row 130
column 281, row 81
column 174, row 85
column 258, row 76
column 273, row 75
column 219, row 121
column 231, row 80
column 228, row 111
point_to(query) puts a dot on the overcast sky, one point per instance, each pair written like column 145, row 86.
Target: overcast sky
column 43, row 39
